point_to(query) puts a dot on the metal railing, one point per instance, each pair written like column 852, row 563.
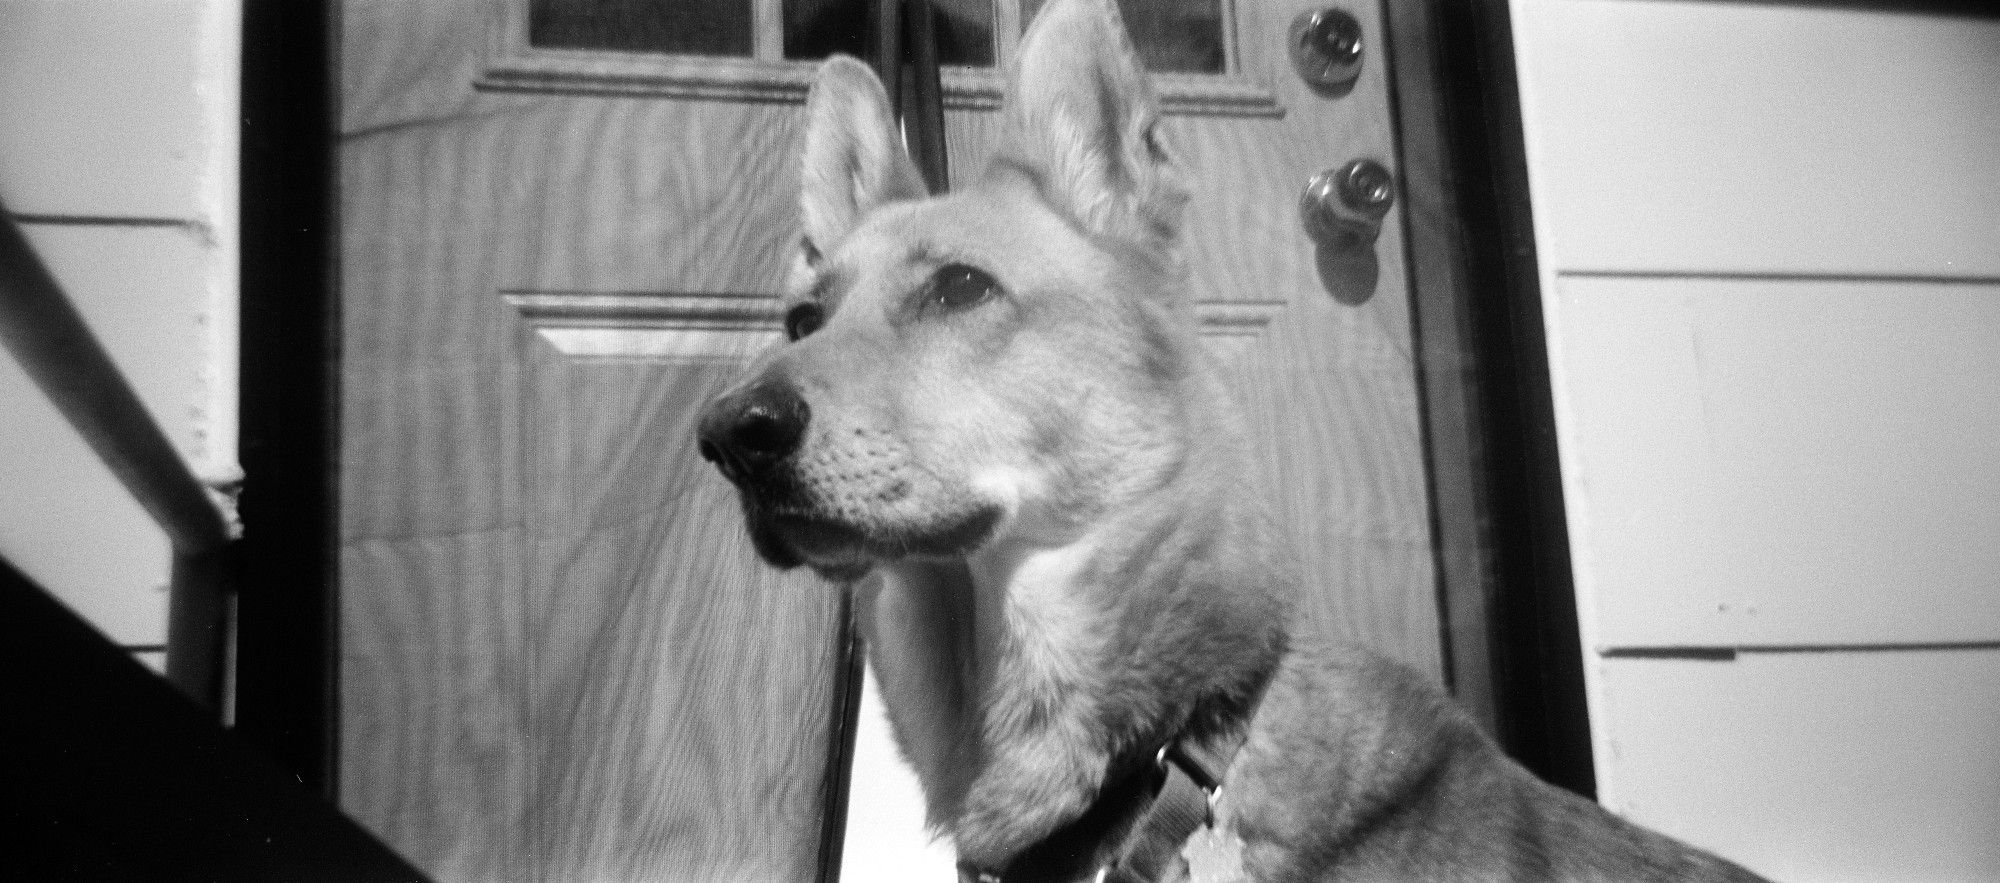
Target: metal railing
column 43, row 330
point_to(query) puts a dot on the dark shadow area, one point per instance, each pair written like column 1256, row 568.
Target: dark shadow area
column 287, row 686
column 1349, row 274
column 113, row 775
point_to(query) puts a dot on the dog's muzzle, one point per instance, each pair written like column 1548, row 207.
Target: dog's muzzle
column 748, row 432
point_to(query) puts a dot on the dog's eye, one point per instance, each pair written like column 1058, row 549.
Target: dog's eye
column 803, row 320
column 957, row 286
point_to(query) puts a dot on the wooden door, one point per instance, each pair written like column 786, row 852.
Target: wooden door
column 564, row 225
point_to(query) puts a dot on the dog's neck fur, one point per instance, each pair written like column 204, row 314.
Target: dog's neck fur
column 1019, row 678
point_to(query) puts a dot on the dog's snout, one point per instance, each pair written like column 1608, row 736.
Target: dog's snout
column 747, row 432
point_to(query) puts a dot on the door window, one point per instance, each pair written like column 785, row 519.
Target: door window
column 698, row 27
column 815, row 29
column 1173, row 36
column 809, row 29
column 762, row 49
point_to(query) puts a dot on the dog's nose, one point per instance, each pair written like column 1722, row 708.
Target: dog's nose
column 746, row 432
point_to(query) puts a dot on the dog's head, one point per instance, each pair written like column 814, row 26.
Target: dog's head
column 1009, row 359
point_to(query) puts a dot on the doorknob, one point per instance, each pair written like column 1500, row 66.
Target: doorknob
column 1342, row 210
column 1326, row 49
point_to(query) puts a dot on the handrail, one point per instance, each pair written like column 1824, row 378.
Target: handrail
column 42, row 328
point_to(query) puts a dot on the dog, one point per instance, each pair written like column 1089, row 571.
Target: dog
column 994, row 422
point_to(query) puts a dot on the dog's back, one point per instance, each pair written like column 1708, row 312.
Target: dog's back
column 1356, row 768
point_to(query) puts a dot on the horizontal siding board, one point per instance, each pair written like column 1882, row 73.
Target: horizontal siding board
column 1766, row 462
column 1872, row 766
column 70, row 526
column 68, row 523
column 1763, row 138
column 143, row 292
column 103, row 113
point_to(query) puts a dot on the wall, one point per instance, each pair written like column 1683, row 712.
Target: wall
column 1770, row 246
column 118, row 160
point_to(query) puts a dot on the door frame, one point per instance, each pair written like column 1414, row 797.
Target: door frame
column 1507, row 603
column 1507, row 606
column 286, row 672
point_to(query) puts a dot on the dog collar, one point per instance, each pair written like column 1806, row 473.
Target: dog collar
column 1159, row 807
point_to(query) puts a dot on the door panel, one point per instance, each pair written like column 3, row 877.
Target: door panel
column 679, row 694
column 560, row 659
column 1329, row 388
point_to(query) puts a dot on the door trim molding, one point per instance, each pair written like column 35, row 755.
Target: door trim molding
column 287, row 685
column 1506, row 598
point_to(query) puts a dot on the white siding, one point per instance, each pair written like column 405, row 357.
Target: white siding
column 1862, row 765
column 1782, row 461
column 1751, row 137
column 66, row 521
column 1770, row 246
column 118, row 158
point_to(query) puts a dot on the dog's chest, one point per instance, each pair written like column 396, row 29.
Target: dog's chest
column 1037, row 619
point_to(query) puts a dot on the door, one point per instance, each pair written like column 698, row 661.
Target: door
column 565, row 223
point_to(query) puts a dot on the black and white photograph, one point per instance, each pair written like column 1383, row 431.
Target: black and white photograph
column 1000, row 441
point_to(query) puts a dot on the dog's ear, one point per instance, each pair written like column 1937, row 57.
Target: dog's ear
column 1082, row 114
column 854, row 156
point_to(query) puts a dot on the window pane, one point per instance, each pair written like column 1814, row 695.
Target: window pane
column 818, row 28
column 815, row 29
column 964, row 31
column 702, row 27
column 1183, row 36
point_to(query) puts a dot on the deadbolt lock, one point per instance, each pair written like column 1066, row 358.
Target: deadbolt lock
column 1327, row 50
